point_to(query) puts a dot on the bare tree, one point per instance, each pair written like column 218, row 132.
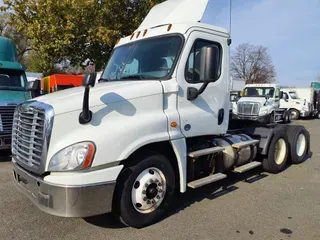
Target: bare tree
column 252, row 64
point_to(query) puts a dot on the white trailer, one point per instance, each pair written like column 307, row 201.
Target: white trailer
column 128, row 144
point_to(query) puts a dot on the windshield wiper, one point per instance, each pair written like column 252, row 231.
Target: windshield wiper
column 139, row 77
column 103, row 80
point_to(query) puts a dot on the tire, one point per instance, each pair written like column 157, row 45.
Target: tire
column 277, row 153
column 286, row 117
column 298, row 142
column 271, row 121
column 318, row 115
column 295, row 114
column 132, row 188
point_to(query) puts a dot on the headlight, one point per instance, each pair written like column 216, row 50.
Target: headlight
column 74, row 157
column 264, row 112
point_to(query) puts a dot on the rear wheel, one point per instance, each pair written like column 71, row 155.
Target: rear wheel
column 318, row 115
column 298, row 142
column 145, row 191
column 278, row 152
column 295, row 114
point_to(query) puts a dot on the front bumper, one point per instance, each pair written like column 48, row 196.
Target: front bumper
column 304, row 113
column 260, row 119
column 65, row 200
column 5, row 142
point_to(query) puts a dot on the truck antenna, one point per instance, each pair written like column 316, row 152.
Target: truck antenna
column 230, row 17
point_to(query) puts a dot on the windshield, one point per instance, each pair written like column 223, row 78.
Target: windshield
column 293, row 95
column 145, row 59
column 258, row 92
column 12, row 80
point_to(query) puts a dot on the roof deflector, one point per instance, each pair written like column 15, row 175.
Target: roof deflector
column 174, row 11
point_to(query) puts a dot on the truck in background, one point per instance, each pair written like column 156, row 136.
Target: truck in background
column 129, row 143
column 292, row 102
column 310, row 97
column 13, row 88
column 261, row 103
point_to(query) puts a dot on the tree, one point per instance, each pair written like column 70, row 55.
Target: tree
column 8, row 31
column 74, row 30
column 252, row 64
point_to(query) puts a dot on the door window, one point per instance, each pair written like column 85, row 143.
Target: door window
column 192, row 71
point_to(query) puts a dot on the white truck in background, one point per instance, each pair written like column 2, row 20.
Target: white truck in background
column 292, row 102
column 132, row 141
column 261, row 103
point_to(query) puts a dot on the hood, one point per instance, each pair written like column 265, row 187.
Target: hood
column 174, row 11
column 260, row 100
column 103, row 93
column 14, row 96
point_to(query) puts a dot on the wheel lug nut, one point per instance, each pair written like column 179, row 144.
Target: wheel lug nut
column 158, row 197
column 146, row 185
column 160, row 190
column 159, row 184
column 145, row 199
column 151, row 181
column 148, row 202
column 156, row 180
column 144, row 192
column 153, row 201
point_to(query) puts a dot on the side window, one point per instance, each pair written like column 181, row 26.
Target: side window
column 192, row 71
column 277, row 93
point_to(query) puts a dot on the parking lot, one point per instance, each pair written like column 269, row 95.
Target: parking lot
column 252, row 206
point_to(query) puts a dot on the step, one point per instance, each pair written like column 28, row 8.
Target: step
column 206, row 151
column 245, row 144
column 206, row 180
column 247, row 167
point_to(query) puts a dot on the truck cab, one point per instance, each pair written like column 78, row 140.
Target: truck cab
column 261, row 102
column 147, row 130
column 291, row 101
column 13, row 89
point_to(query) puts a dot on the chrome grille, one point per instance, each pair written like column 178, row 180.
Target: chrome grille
column 247, row 108
column 6, row 118
column 31, row 132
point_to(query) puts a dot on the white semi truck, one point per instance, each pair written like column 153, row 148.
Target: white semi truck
column 128, row 144
column 261, row 103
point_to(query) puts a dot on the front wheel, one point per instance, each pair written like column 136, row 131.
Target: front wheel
column 295, row 114
column 318, row 115
column 145, row 191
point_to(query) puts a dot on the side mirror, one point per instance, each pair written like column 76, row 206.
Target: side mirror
column 89, row 80
column 209, row 63
column 34, row 87
column 209, row 70
column 281, row 95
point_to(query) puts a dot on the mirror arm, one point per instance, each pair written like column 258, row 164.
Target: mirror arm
column 86, row 115
column 193, row 93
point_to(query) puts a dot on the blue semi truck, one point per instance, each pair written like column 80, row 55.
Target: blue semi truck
column 13, row 88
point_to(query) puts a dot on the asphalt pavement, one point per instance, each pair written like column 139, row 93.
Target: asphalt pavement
column 256, row 205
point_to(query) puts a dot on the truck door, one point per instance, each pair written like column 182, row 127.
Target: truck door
column 285, row 104
column 277, row 99
column 209, row 112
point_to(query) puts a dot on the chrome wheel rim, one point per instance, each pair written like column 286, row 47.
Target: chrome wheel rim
column 301, row 145
column 148, row 190
column 280, row 151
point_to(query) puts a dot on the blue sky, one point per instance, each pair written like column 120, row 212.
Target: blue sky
column 289, row 28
